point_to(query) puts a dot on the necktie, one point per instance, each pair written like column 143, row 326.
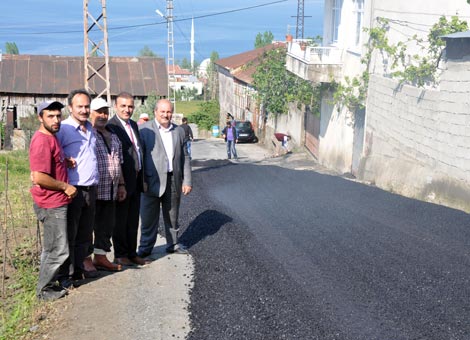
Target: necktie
column 131, row 135
column 136, row 154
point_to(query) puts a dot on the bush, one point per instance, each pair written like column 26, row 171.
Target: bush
column 207, row 115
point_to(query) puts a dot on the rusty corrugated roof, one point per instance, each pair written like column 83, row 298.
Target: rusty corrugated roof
column 49, row 75
column 243, row 65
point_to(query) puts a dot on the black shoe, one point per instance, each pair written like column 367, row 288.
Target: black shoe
column 69, row 284
column 52, row 293
column 177, row 249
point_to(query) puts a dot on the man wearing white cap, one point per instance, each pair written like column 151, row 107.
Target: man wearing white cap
column 111, row 185
column 143, row 118
column 51, row 194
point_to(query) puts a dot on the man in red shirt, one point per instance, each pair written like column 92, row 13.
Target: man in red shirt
column 51, row 194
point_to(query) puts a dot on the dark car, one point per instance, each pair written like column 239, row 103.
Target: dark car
column 245, row 132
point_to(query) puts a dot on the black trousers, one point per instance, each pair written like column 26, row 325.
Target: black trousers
column 127, row 225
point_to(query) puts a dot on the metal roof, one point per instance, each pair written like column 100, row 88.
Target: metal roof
column 49, row 75
column 456, row 35
column 243, row 65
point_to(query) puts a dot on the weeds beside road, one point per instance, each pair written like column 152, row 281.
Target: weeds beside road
column 20, row 246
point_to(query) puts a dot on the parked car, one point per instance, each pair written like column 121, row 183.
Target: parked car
column 245, row 132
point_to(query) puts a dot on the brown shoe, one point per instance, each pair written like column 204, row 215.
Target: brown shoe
column 101, row 262
column 139, row 261
column 123, row 261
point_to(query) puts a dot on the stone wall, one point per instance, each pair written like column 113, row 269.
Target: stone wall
column 417, row 141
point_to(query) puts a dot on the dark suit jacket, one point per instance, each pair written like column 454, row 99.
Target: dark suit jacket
column 155, row 159
column 132, row 177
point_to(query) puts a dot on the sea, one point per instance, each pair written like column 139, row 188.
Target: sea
column 55, row 27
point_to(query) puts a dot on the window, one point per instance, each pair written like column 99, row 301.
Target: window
column 359, row 15
column 335, row 19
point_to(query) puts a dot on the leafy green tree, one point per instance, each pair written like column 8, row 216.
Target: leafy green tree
column 207, row 115
column 278, row 87
column 148, row 107
column 185, row 63
column 11, row 48
column 147, row 52
column 263, row 39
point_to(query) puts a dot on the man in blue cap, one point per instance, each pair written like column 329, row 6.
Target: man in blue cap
column 51, row 195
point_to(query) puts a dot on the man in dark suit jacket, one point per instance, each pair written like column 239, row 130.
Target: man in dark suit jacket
column 167, row 174
column 127, row 211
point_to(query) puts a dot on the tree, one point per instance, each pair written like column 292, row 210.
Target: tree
column 212, row 75
column 263, row 39
column 11, row 48
column 147, row 52
column 207, row 115
column 277, row 87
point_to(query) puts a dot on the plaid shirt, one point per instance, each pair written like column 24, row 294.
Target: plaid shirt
column 109, row 166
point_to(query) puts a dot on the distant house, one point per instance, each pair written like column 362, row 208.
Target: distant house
column 181, row 79
column 237, row 95
column 26, row 80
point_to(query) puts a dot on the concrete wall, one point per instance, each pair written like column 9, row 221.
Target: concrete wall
column 291, row 123
column 417, row 141
column 336, row 137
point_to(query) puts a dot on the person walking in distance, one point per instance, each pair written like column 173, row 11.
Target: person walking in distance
column 51, row 194
column 127, row 210
column 188, row 134
column 79, row 142
column 167, row 176
column 230, row 135
column 111, row 186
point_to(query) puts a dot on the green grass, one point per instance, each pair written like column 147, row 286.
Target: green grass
column 19, row 303
column 189, row 107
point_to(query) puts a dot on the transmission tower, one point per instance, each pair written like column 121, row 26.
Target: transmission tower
column 171, row 52
column 299, row 32
column 96, row 49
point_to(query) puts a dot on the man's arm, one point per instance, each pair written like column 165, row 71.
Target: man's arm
column 44, row 180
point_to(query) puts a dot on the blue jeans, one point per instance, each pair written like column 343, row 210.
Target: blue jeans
column 55, row 244
column 188, row 143
column 231, row 150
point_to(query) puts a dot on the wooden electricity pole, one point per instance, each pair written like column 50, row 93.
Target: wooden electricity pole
column 96, row 74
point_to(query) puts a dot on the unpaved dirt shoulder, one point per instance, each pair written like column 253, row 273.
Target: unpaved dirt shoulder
column 149, row 302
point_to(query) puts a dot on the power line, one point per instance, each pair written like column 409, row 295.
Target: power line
column 159, row 23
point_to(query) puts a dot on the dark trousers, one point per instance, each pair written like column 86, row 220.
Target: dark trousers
column 127, row 225
column 80, row 221
column 150, row 215
column 105, row 219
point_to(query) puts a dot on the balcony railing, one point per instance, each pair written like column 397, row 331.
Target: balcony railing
column 314, row 63
column 315, row 54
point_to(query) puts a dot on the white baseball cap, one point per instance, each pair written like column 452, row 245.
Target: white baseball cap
column 98, row 103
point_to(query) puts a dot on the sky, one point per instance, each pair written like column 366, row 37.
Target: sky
column 55, row 27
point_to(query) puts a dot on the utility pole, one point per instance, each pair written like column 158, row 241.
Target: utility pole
column 96, row 46
column 299, row 31
column 192, row 46
column 170, row 50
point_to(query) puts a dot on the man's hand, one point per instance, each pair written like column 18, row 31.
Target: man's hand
column 121, row 193
column 71, row 162
column 186, row 189
column 70, row 191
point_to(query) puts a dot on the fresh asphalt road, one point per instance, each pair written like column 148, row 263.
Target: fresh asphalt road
column 290, row 254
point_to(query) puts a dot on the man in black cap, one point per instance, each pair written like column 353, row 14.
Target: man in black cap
column 51, row 194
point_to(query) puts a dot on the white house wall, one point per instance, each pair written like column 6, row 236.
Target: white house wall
column 336, row 137
column 408, row 18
